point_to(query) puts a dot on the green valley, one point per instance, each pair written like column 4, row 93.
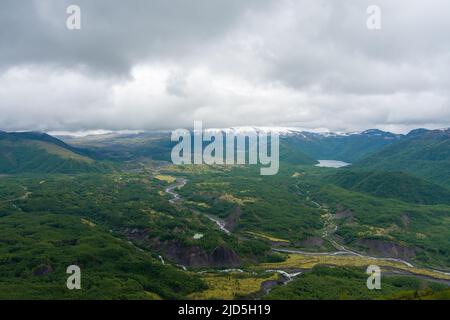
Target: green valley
column 142, row 228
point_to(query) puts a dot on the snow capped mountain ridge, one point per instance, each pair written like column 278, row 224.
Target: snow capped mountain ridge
column 293, row 131
column 249, row 129
column 242, row 130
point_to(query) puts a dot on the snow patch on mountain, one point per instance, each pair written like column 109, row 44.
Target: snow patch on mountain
column 282, row 131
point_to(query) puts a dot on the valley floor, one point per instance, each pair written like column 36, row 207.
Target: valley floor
column 163, row 232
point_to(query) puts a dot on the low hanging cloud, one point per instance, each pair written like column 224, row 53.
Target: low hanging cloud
column 160, row 64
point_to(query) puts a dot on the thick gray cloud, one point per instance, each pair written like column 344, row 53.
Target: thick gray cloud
column 115, row 34
column 162, row 64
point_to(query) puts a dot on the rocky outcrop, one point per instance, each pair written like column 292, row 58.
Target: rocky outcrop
column 180, row 253
column 224, row 257
column 387, row 249
column 196, row 257
column 313, row 243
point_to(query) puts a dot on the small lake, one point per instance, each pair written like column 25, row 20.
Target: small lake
column 332, row 164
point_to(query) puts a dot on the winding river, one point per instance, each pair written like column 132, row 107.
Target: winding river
column 181, row 182
column 287, row 277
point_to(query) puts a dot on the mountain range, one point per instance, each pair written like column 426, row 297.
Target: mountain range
column 421, row 153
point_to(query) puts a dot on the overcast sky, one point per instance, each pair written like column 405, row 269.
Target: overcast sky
column 161, row 64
